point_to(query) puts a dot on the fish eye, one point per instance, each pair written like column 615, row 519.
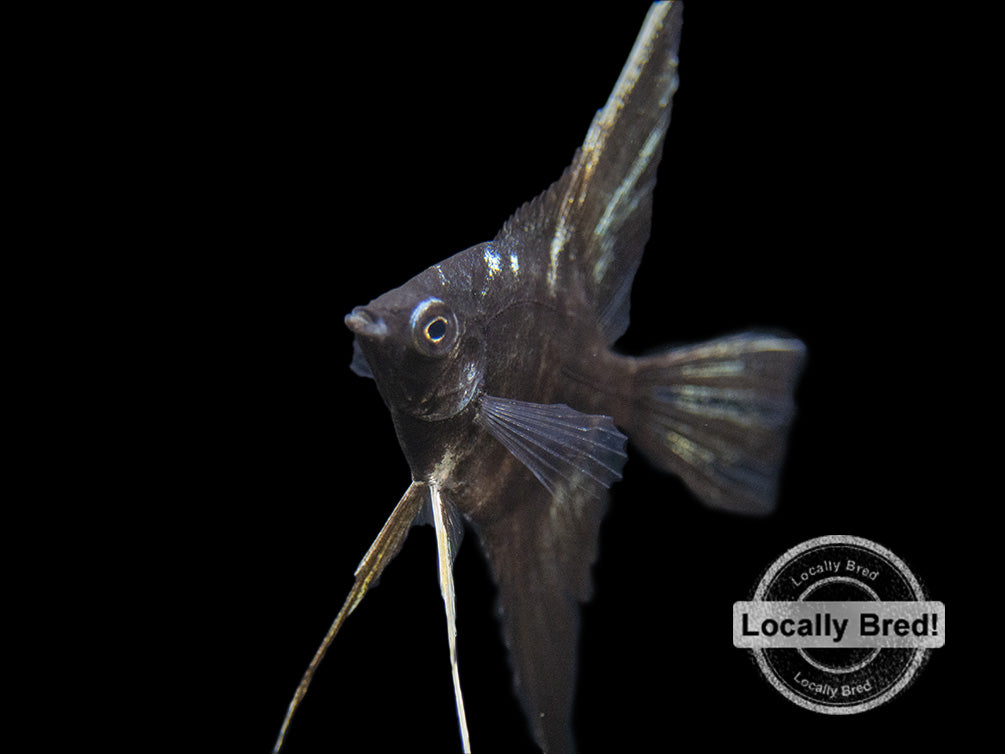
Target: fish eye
column 434, row 327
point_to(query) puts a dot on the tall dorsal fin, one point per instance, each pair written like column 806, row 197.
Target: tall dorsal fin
column 592, row 225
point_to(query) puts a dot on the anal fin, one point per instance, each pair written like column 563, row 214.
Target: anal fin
column 542, row 551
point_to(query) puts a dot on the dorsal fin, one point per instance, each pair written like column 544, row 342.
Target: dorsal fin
column 591, row 226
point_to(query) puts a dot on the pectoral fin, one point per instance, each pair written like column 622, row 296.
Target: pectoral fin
column 564, row 448
column 381, row 552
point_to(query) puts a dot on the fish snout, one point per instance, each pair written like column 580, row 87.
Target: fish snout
column 364, row 322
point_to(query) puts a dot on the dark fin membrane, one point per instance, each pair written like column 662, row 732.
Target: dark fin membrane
column 541, row 554
column 564, row 448
column 717, row 414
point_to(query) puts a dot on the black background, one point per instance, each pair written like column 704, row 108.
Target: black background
column 302, row 165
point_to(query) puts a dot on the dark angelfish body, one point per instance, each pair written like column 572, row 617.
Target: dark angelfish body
column 513, row 411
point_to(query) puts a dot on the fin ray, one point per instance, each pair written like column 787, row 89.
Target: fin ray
column 592, row 225
column 561, row 446
column 446, row 550
column 717, row 414
column 381, row 552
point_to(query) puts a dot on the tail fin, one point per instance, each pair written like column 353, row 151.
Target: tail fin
column 717, row 414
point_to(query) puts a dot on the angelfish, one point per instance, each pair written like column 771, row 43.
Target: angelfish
column 513, row 411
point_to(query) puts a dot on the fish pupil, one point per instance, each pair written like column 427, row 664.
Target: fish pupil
column 436, row 330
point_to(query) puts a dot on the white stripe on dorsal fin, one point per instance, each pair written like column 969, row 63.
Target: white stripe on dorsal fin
column 591, row 226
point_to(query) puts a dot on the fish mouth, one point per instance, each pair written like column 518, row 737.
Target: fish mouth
column 364, row 322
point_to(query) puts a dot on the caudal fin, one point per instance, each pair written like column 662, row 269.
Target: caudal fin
column 717, row 414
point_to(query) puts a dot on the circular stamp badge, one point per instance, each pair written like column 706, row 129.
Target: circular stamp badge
column 839, row 625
